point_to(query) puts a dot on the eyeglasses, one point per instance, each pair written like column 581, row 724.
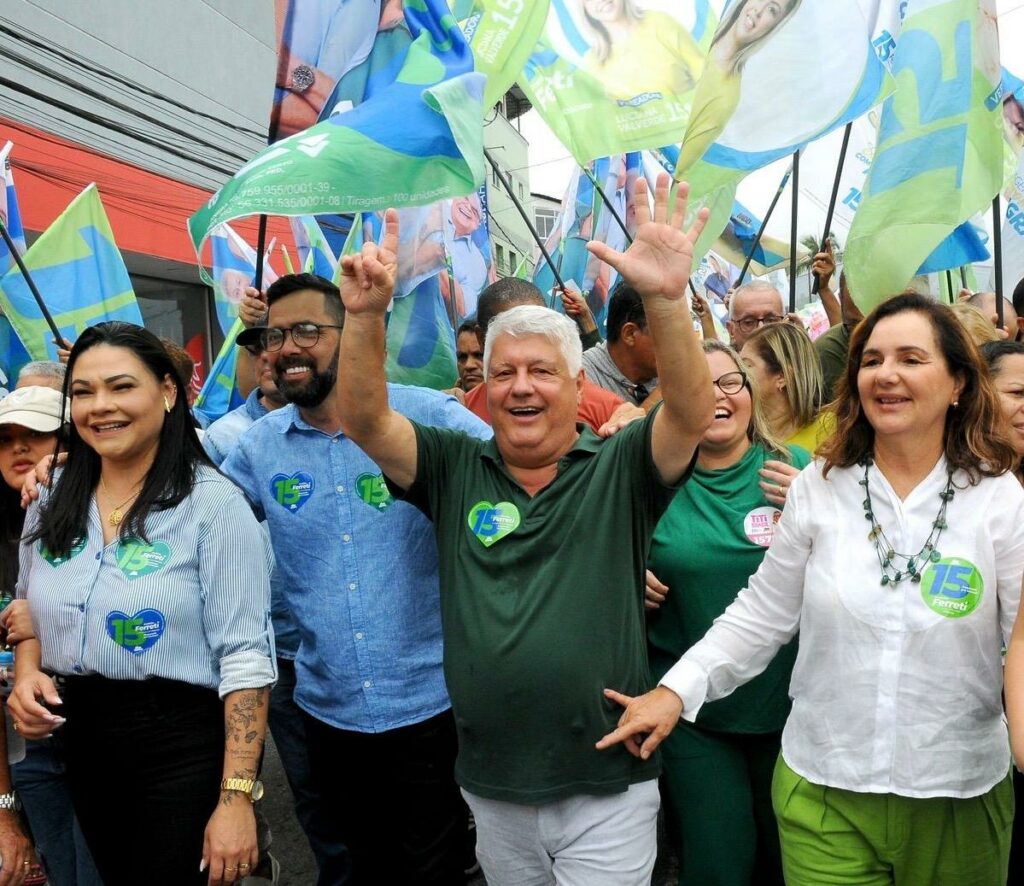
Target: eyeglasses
column 749, row 324
column 254, row 349
column 305, row 335
column 731, row 382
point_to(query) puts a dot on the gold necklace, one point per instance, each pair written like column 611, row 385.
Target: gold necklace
column 115, row 517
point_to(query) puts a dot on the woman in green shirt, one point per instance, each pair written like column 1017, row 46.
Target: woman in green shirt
column 716, row 778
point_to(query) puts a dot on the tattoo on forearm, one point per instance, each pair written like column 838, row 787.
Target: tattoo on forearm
column 244, row 727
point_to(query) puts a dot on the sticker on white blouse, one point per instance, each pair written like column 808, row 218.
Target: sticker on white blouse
column 135, row 558
column 952, row 587
column 372, row 490
column 759, row 525
column 77, row 546
column 491, row 523
column 292, row 492
column 138, row 632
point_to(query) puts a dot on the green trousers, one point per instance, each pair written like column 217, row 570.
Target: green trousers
column 831, row 836
column 716, row 793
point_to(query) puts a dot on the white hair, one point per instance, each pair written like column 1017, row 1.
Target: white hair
column 536, row 320
column 45, row 369
column 752, row 286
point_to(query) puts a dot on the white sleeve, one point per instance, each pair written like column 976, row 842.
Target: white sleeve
column 1008, row 542
column 763, row 617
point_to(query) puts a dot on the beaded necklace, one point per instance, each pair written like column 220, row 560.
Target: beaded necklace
column 888, row 555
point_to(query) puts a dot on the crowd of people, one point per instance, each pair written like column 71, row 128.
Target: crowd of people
column 768, row 587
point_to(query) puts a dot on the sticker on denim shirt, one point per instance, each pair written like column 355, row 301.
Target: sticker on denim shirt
column 952, row 587
column 138, row 632
column 136, row 559
column 373, row 491
column 77, row 546
column 491, row 523
column 759, row 525
column 292, row 492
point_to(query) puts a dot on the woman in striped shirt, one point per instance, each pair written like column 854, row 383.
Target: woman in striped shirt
column 147, row 578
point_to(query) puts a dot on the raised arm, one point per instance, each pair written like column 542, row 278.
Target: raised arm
column 367, row 282
column 658, row 265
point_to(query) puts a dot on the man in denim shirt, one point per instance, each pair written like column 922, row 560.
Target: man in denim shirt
column 359, row 571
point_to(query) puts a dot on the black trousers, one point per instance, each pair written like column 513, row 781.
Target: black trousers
column 393, row 800
column 144, row 765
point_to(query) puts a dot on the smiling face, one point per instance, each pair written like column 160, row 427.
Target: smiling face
column 20, row 449
column 532, row 399
column 305, row 376
column 904, row 383
column 466, row 215
column 1008, row 376
column 117, row 404
column 605, row 11
column 733, row 412
column 759, row 18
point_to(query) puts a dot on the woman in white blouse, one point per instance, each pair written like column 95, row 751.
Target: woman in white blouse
column 899, row 559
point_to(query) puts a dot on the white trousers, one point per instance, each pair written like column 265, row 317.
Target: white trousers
column 579, row 841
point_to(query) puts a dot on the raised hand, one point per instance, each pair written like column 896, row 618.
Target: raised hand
column 368, row 277
column 659, row 261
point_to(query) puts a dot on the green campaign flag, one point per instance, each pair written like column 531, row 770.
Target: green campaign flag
column 615, row 77
column 502, row 34
column 80, row 274
column 939, row 152
column 416, row 141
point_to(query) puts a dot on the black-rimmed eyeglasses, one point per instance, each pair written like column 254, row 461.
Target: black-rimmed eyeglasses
column 304, row 335
column 749, row 324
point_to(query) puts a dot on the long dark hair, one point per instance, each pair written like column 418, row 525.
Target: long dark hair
column 12, row 520
column 974, row 442
column 64, row 516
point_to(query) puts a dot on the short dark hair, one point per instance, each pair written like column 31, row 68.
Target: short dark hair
column 624, row 306
column 504, row 294
column 1018, row 297
column 290, row 283
column 995, row 351
column 184, row 365
column 64, row 516
column 469, row 325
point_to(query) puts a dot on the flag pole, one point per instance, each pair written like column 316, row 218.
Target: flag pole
column 608, row 204
column 949, row 285
column 526, row 218
column 963, row 277
column 997, row 251
column 792, row 233
column 764, row 224
column 47, row 316
column 832, row 200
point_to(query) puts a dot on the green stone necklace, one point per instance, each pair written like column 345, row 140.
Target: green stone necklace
column 892, row 573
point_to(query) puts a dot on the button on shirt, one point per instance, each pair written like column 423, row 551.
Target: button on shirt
column 895, row 689
column 359, row 568
column 190, row 605
column 221, row 437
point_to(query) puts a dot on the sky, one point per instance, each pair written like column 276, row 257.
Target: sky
column 551, row 166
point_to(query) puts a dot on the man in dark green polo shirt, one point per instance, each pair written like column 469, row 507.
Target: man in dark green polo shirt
column 542, row 537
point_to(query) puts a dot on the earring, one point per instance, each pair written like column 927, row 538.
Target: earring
column 167, row 404
column 956, row 403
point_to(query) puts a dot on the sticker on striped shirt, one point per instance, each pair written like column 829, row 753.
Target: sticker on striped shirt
column 77, row 546
column 135, row 558
column 138, row 632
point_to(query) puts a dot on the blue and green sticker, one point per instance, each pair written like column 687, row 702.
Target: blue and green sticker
column 952, row 587
column 292, row 491
column 77, row 546
column 138, row 632
column 490, row 523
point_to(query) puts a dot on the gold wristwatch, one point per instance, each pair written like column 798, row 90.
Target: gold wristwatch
column 252, row 789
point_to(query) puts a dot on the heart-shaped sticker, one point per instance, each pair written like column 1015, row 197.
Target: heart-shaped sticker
column 292, row 492
column 138, row 632
column 491, row 523
column 77, row 546
column 135, row 558
column 374, row 491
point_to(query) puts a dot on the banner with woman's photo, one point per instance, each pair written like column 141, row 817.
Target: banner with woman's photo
column 779, row 74
column 610, row 76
